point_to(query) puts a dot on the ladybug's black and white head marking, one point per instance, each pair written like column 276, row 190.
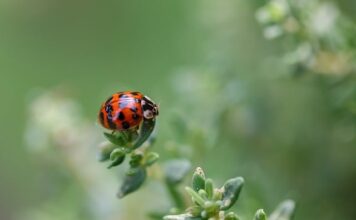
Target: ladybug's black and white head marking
column 149, row 108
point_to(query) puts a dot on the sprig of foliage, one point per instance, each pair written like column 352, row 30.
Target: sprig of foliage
column 211, row 203
column 208, row 202
column 123, row 144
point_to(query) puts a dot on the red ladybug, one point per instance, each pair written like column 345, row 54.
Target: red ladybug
column 126, row 110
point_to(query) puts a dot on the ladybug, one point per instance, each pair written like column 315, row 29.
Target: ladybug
column 126, row 110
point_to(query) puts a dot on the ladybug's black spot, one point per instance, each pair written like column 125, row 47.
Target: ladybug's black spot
column 135, row 116
column 133, row 109
column 108, row 109
column 112, row 125
column 101, row 117
column 121, row 116
column 125, row 125
column 134, row 93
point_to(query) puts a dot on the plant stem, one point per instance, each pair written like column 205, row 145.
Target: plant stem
column 175, row 196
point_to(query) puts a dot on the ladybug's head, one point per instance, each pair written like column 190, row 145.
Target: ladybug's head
column 150, row 109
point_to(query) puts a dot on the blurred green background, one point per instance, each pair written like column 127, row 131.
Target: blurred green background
column 228, row 100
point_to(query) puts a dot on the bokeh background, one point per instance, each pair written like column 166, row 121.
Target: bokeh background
column 261, row 89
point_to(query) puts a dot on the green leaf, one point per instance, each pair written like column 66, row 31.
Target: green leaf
column 203, row 194
column 260, row 215
column 145, row 132
column 132, row 182
column 231, row 191
column 284, row 211
column 117, row 162
column 151, row 158
column 115, row 138
column 231, row 216
column 176, row 170
column 195, row 196
column 118, row 152
column 117, row 156
column 105, row 150
column 136, row 159
column 209, row 188
column 198, row 181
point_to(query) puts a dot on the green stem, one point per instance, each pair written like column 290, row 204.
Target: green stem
column 175, row 196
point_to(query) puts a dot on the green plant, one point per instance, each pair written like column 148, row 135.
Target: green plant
column 210, row 203
column 123, row 144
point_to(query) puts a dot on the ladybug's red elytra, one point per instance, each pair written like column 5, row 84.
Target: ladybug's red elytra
column 126, row 110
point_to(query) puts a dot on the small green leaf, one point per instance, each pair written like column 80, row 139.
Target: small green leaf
column 284, row 211
column 176, row 170
column 115, row 138
column 117, row 162
column 136, row 159
column 151, row 158
column 231, row 216
column 118, row 152
column 198, row 181
column 145, row 132
column 260, row 215
column 105, row 150
column 117, row 156
column 231, row 191
column 209, row 188
column 195, row 196
column 132, row 182
column 203, row 194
